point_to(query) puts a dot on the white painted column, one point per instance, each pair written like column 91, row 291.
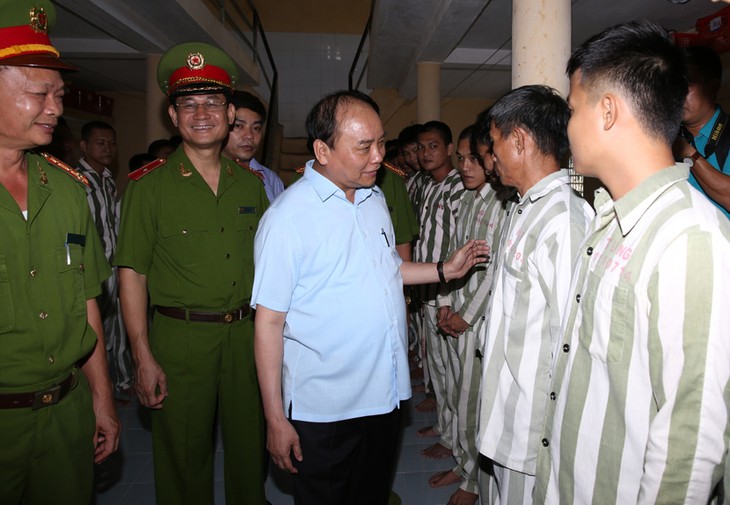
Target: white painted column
column 429, row 91
column 158, row 121
column 541, row 43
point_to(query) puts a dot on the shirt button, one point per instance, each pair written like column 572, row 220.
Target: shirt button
column 552, row 396
column 519, row 211
column 566, row 347
column 233, row 283
column 222, row 229
column 490, row 293
column 577, row 298
column 51, row 359
column 43, row 315
column 545, row 442
column 33, row 272
column 589, row 251
column 228, row 256
column 184, row 231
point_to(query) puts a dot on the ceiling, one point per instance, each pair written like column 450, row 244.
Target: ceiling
column 109, row 40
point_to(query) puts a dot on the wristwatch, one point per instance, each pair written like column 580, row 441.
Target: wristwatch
column 691, row 159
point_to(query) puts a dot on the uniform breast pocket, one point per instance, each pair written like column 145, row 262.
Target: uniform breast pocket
column 186, row 240
column 70, row 266
column 247, row 224
column 608, row 315
column 7, row 310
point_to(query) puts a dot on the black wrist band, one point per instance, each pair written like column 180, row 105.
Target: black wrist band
column 440, row 270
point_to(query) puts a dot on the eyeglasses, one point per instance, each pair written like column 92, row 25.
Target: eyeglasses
column 209, row 106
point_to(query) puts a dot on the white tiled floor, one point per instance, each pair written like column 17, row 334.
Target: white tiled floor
column 127, row 479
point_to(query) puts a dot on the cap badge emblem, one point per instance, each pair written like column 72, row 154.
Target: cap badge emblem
column 196, row 61
column 38, row 20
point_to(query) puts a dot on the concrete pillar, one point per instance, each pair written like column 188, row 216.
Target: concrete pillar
column 429, row 91
column 158, row 121
column 540, row 43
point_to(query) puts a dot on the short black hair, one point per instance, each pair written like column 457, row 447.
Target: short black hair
column 439, row 127
column 703, row 65
column 409, row 134
column 94, row 125
column 245, row 100
column 538, row 109
column 154, row 148
column 480, row 133
column 322, row 119
column 139, row 160
column 638, row 60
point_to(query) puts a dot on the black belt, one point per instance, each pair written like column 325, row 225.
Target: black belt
column 205, row 317
column 38, row 399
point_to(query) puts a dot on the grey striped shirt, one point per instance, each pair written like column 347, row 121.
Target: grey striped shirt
column 640, row 399
column 104, row 204
column 541, row 237
column 481, row 216
column 438, row 214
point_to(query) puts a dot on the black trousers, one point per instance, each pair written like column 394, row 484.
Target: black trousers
column 347, row 462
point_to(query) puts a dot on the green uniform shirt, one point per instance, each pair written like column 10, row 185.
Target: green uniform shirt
column 405, row 223
column 195, row 247
column 44, row 283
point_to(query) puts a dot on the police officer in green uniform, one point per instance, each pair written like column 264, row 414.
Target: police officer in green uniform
column 186, row 237
column 56, row 406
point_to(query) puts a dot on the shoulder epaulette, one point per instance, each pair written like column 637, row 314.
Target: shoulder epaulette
column 70, row 171
column 148, row 168
column 394, row 169
column 300, row 170
column 254, row 172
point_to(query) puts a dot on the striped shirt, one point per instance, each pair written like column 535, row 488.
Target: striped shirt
column 640, row 400
column 481, row 218
column 101, row 194
column 438, row 214
column 541, row 237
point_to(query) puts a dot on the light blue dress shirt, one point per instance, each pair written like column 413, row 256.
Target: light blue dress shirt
column 331, row 265
column 272, row 182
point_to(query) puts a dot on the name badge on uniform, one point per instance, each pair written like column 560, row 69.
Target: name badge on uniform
column 73, row 238
column 247, row 210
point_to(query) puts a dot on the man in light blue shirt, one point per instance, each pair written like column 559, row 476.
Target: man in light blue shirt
column 330, row 323
column 246, row 136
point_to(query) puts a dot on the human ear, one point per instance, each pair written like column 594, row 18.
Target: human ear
column 231, row 113
column 321, row 151
column 609, row 111
column 518, row 139
column 173, row 115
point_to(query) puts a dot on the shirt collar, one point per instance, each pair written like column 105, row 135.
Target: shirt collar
column 633, row 205
column 255, row 165
column 706, row 130
column 325, row 188
column 546, row 185
column 87, row 168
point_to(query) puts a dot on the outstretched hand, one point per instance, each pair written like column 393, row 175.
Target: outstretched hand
column 470, row 254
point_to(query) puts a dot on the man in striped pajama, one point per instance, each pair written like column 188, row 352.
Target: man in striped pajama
column 640, row 386
column 439, row 209
column 99, row 147
column 540, row 238
column 461, row 316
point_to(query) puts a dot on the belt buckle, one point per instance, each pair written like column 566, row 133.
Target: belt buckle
column 228, row 317
column 45, row 398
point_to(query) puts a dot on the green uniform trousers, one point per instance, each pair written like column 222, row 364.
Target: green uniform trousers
column 208, row 366
column 47, row 455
